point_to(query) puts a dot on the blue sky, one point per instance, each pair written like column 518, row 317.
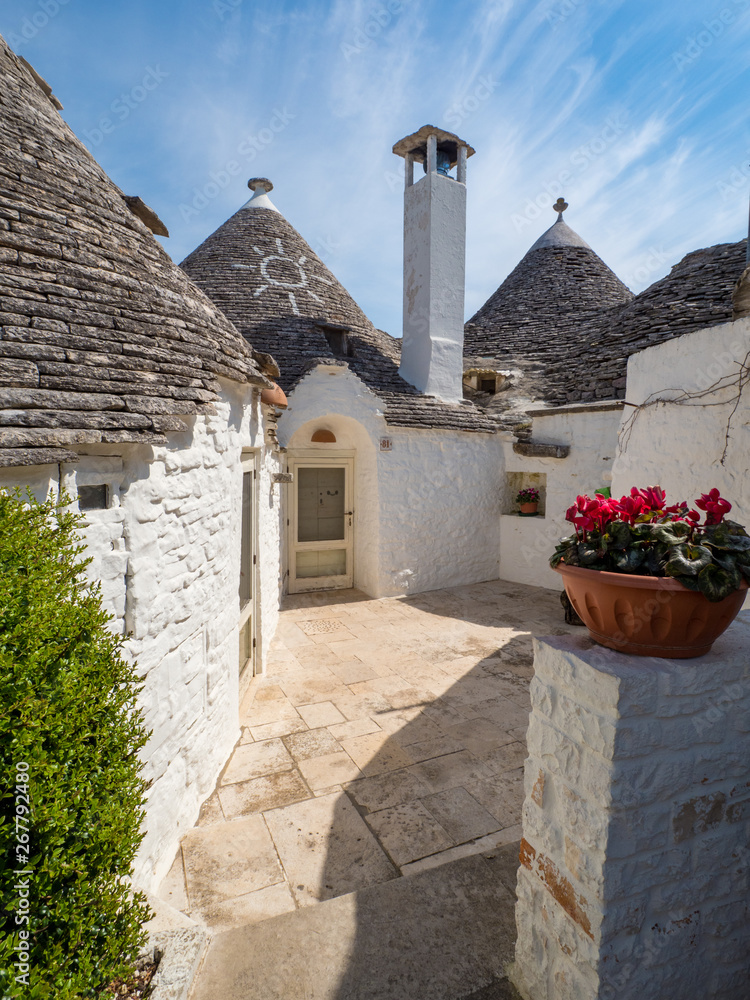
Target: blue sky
column 636, row 112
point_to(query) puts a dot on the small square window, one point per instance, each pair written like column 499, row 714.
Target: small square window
column 92, row 497
column 488, row 385
column 338, row 341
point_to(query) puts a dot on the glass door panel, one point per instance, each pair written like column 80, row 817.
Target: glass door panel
column 321, row 531
column 321, row 495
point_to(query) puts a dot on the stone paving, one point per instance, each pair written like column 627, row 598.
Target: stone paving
column 386, row 738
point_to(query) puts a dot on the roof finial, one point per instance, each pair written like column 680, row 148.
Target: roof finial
column 560, row 206
column 260, row 186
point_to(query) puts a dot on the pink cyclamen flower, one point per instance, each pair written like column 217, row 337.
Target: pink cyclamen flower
column 654, row 496
column 714, row 505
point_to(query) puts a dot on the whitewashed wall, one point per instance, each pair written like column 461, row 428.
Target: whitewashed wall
column 167, row 551
column 40, row 479
column 427, row 510
column 680, row 447
column 439, row 509
column 526, row 543
column 635, row 857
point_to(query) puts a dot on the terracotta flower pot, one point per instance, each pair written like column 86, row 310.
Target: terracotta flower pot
column 648, row 615
column 528, row 508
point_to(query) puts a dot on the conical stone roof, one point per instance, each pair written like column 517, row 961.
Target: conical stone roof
column 537, row 309
column 266, row 278
column 102, row 337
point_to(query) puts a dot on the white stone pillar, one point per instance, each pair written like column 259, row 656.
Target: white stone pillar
column 431, row 154
column 635, row 858
column 461, row 166
column 408, row 170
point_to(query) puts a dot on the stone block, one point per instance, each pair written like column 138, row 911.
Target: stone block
column 577, row 765
column 644, row 853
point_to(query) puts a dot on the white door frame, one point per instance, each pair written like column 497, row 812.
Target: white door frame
column 313, row 458
column 249, row 464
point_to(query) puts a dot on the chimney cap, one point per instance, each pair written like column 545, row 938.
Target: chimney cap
column 416, row 144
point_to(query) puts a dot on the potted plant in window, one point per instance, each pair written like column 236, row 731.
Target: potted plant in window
column 528, row 501
column 650, row 578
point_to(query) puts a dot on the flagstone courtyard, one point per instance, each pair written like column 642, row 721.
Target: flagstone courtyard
column 386, row 739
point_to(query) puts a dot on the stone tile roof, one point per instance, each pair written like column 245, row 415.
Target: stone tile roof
column 259, row 271
column 529, row 325
column 565, row 325
column 102, row 337
column 697, row 293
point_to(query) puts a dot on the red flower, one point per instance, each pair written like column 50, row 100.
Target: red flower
column 714, row 505
column 631, row 507
column 654, row 496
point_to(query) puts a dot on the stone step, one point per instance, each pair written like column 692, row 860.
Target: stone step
column 444, row 934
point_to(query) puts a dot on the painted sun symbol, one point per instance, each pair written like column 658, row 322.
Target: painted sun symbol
column 293, row 288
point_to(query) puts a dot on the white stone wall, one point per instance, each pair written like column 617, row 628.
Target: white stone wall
column 182, row 528
column 168, row 551
column 680, row 447
column 439, row 510
column 40, row 479
column 591, row 432
column 636, row 825
column 104, row 531
column 427, row 511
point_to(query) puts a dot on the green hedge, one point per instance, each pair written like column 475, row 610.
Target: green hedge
column 68, row 720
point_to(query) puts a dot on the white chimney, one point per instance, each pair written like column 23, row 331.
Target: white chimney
column 434, row 262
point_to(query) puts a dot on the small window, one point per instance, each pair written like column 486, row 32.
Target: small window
column 488, row 385
column 92, row 497
column 338, row 341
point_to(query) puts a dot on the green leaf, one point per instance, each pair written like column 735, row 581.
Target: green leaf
column 617, row 536
column 629, row 562
column 673, row 533
column 689, row 582
column 716, row 583
column 566, row 551
column 656, row 559
column 724, row 536
column 587, row 554
column 687, row 560
column 727, row 562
